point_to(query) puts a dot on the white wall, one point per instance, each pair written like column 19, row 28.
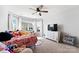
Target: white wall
column 3, row 18
column 19, row 10
column 68, row 16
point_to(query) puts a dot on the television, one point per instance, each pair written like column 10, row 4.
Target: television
column 52, row 27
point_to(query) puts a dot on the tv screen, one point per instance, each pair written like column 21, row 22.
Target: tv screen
column 50, row 28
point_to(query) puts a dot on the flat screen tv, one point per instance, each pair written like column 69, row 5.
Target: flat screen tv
column 52, row 27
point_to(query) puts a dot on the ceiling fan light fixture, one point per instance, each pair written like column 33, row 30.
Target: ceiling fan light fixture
column 39, row 10
column 39, row 13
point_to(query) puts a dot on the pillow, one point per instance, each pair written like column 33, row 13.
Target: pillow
column 24, row 33
column 15, row 33
column 4, row 36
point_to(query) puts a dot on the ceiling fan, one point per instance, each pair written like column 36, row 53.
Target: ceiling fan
column 39, row 10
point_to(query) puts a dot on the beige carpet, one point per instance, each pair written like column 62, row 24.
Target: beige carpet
column 48, row 46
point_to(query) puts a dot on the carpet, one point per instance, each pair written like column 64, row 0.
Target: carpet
column 48, row 46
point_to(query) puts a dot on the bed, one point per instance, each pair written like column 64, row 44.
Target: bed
column 22, row 38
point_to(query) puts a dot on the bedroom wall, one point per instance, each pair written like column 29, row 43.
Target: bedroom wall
column 3, row 18
column 19, row 10
column 66, row 16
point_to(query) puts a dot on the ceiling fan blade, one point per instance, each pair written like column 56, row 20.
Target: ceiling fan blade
column 44, row 11
column 40, row 14
column 40, row 7
column 34, row 13
column 32, row 9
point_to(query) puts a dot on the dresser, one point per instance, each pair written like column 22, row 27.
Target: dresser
column 53, row 35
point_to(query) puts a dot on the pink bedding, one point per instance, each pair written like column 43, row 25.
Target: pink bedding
column 23, row 40
column 20, row 40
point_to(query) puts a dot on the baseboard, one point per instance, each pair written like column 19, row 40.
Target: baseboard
column 51, row 40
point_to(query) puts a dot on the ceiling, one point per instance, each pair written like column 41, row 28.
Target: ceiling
column 24, row 10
